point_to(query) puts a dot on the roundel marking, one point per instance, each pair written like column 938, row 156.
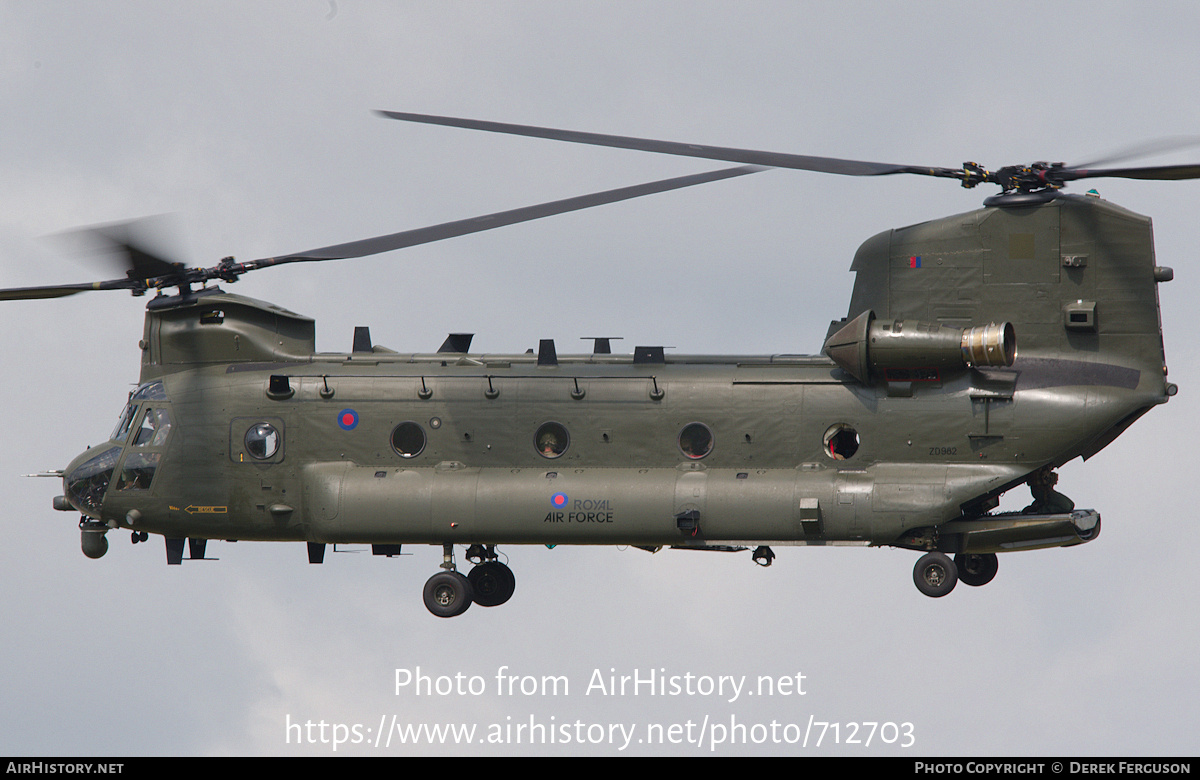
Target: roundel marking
column 559, row 499
column 347, row 419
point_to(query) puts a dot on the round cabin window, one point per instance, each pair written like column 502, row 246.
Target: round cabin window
column 551, row 440
column 841, row 442
column 262, row 441
column 408, row 439
column 695, row 440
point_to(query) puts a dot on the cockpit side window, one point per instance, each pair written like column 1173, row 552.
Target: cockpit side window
column 137, row 472
column 151, row 391
column 122, row 430
column 156, row 424
column 147, row 437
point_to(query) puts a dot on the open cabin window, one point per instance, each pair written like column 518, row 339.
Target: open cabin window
column 695, row 440
column 551, row 439
column 840, row 441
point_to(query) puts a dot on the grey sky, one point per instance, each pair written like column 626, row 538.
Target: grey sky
column 252, row 122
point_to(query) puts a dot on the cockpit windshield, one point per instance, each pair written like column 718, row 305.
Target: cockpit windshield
column 85, row 484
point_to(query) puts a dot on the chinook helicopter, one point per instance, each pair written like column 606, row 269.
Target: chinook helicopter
column 916, row 417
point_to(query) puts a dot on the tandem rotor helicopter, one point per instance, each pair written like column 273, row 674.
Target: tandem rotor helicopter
column 905, row 431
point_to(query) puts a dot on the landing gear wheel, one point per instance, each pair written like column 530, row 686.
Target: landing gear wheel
column 976, row 570
column 447, row 594
column 935, row 575
column 493, row 583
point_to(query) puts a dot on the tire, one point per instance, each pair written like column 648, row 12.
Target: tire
column 935, row 575
column 492, row 583
column 447, row 594
column 976, row 569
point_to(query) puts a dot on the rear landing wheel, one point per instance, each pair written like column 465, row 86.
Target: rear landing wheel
column 976, row 570
column 447, row 594
column 493, row 583
column 935, row 575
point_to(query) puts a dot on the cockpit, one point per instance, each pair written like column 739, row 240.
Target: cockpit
column 140, row 435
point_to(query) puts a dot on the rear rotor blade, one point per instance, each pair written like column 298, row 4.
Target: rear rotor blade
column 745, row 156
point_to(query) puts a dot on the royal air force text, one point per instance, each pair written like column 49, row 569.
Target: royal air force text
column 584, row 510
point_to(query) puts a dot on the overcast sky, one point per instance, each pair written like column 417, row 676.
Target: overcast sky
column 252, row 122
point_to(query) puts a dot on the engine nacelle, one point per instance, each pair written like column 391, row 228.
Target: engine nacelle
column 910, row 350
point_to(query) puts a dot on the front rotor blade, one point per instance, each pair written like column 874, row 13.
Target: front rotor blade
column 745, row 156
column 407, row 238
column 1160, row 146
column 137, row 248
column 1158, row 172
column 128, row 240
column 63, row 290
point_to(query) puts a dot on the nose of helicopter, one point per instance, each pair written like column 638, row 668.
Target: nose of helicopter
column 87, row 477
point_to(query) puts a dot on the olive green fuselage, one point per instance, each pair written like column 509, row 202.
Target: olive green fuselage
column 379, row 447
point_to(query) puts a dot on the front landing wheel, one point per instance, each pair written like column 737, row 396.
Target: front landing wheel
column 976, row 569
column 935, row 575
column 447, row 594
column 492, row 583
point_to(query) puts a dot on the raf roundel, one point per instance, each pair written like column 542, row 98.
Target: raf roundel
column 347, row 419
column 559, row 500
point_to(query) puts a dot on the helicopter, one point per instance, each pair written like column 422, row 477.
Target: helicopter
column 979, row 353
